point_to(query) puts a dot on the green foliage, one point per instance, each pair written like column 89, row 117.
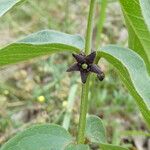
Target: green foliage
column 133, row 73
column 145, row 5
column 46, row 137
column 95, row 131
column 78, row 147
column 40, row 137
column 101, row 21
column 70, row 104
column 41, row 43
column 6, row 5
column 130, row 65
column 135, row 133
column 111, row 147
column 139, row 34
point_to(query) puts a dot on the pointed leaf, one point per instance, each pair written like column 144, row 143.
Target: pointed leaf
column 139, row 35
column 133, row 73
column 41, row 43
column 40, row 137
column 6, row 5
column 95, row 131
column 111, row 147
column 145, row 5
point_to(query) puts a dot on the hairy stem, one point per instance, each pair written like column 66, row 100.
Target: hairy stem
column 85, row 87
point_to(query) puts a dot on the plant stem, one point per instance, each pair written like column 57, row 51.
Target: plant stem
column 66, row 22
column 85, row 87
column 83, row 112
column 89, row 31
column 100, row 25
column 101, row 22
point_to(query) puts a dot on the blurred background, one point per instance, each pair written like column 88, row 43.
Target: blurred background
column 40, row 90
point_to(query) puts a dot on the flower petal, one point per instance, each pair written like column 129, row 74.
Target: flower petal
column 96, row 69
column 90, row 58
column 84, row 76
column 79, row 58
column 101, row 76
column 74, row 67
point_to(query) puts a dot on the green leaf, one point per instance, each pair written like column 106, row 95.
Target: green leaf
column 145, row 5
column 6, row 5
column 40, row 137
column 95, row 131
column 70, row 104
column 78, row 147
column 111, row 147
column 135, row 133
column 133, row 72
column 139, row 35
column 41, row 43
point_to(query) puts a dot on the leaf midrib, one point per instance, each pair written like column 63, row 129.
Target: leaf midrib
column 134, row 30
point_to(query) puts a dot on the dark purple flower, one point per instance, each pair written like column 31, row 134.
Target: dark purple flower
column 85, row 65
